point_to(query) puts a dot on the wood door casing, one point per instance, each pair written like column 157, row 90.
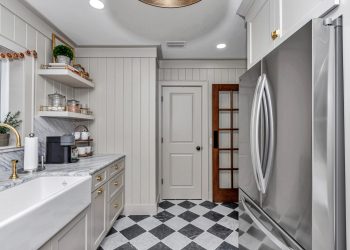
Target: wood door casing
column 229, row 194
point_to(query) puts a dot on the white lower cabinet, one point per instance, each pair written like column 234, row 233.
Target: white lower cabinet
column 99, row 205
column 88, row 229
column 74, row 236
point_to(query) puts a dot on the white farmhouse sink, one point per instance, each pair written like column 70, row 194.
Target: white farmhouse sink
column 32, row 212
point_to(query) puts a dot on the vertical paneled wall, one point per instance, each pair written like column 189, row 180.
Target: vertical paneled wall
column 124, row 105
column 19, row 35
column 210, row 71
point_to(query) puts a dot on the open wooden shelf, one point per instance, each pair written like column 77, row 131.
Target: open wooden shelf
column 65, row 114
column 66, row 77
column 84, row 141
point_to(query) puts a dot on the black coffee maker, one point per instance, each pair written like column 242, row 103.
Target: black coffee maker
column 59, row 149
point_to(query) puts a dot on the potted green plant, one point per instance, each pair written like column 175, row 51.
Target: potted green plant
column 12, row 120
column 63, row 54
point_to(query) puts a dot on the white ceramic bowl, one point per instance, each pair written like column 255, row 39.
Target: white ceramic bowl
column 82, row 150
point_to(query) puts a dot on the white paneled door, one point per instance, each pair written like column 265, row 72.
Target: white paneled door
column 182, row 139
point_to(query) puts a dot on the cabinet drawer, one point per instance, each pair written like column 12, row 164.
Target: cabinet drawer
column 99, row 178
column 116, row 205
column 115, row 184
column 116, row 167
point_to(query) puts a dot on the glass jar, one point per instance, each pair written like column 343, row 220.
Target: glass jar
column 73, row 106
column 57, row 100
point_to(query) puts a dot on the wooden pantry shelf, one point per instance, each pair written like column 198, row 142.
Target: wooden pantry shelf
column 66, row 77
column 66, row 115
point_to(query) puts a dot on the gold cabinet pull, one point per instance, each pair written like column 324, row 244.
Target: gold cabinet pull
column 275, row 34
column 116, row 205
column 100, row 191
column 99, row 178
column 116, row 183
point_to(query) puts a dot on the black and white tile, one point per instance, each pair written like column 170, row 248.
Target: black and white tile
column 180, row 224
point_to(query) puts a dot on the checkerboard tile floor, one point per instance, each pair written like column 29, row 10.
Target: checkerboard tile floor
column 180, row 224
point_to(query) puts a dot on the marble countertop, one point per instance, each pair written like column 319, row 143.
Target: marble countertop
column 85, row 166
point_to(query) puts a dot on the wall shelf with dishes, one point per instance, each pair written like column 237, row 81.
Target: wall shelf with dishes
column 83, row 141
column 58, row 107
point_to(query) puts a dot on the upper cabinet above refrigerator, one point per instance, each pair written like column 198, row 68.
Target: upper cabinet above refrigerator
column 263, row 28
column 270, row 22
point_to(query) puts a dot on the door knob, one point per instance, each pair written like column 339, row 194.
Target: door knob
column 198, row 148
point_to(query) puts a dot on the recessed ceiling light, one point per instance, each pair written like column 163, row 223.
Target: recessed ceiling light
column 97, row 4
column 221, row 46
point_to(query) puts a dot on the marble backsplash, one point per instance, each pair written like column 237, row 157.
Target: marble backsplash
column 7, row 156
column 43, row 127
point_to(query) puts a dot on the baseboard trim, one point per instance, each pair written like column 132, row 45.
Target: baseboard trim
column 140, row 209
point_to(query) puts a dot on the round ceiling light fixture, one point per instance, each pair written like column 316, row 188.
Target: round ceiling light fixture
column 170, row 3
column 221, row 46
column 97, row 4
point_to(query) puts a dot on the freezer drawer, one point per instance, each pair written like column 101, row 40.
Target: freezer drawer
column 258, row 231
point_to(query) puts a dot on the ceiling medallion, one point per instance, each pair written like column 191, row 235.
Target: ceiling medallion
column 170, row 3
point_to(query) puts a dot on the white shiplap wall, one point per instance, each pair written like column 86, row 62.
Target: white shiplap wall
column 210, row 71
column 124, row 104
column 20, row 29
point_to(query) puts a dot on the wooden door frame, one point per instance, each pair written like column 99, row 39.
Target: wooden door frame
column 215, row 151
column 206, row 171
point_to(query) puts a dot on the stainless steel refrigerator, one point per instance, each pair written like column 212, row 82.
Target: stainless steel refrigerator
column 291, row 158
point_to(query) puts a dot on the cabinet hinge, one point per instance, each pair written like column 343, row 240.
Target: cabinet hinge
column 162, row 181
column 162, row 140
column 161, row 98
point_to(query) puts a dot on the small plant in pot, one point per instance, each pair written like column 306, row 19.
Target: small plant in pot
column 63, row 54
column 12, row 120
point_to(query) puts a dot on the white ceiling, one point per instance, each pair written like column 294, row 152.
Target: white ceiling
column 131, row 22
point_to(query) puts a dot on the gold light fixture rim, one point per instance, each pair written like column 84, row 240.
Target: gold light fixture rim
column 170, row 3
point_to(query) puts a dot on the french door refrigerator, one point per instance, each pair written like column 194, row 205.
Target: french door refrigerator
column 291, row 156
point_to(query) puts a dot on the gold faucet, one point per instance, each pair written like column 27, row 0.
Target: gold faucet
column 18, row 137
column 14, row 175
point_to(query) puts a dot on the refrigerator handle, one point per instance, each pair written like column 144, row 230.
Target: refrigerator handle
column 255, row 134
column 264, row 100
column 271, row 129
column 266, row 131
column 261, row 226
column 253, row 121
